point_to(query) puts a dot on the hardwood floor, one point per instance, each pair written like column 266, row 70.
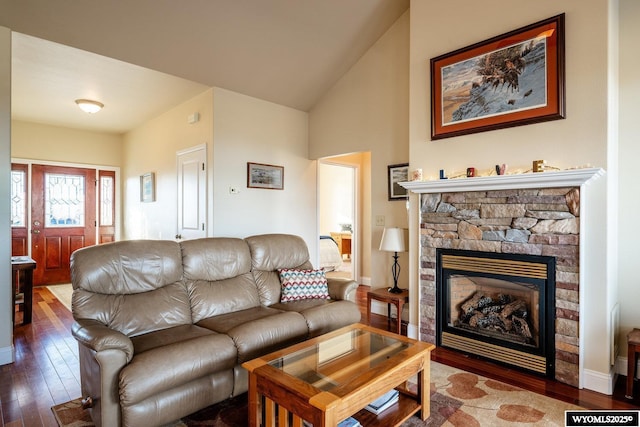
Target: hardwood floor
column 46, row 371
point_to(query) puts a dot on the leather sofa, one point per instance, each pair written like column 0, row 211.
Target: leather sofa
column 164, row 326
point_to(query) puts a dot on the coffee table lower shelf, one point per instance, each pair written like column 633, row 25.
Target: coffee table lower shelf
column 394, row 416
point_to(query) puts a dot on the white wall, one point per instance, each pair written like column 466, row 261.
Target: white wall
column 629, row 154
column 6, row 308
column 366, row 111
column 248, row 129
column 39, row 141
column 152, row 147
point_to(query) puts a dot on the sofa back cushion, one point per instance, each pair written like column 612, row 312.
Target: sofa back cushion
column 217, row 272
column 132, row 286
column 273, row 252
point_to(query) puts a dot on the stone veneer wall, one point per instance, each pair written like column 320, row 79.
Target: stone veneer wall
column 532, row 221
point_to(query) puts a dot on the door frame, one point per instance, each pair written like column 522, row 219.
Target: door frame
column 116, row 169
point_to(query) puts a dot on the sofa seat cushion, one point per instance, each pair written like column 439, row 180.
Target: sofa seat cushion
column 260, row 330
column 145, row 342
column 172, row 357
column 323, row 316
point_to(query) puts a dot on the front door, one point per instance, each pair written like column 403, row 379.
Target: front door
column 63, row 219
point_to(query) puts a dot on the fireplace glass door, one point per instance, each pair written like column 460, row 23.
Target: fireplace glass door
column 497, row 306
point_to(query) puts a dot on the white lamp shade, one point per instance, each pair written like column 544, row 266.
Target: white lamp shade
column 392, row 240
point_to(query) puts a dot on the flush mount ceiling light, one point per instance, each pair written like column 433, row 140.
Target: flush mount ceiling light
column 89, row 106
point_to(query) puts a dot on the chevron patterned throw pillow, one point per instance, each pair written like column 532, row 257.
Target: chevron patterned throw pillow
column 303, row 284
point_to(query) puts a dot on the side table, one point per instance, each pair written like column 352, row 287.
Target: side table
column 383, row 295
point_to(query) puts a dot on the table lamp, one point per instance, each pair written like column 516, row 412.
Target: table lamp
column 393, row 241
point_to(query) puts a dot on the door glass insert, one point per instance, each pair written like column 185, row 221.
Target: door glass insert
column 64, row 200
column 106, row 200
column 18, row 198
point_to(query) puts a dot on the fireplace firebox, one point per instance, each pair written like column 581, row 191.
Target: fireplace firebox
column 497, row 306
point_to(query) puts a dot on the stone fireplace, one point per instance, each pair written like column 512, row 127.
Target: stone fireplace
column 536, row 215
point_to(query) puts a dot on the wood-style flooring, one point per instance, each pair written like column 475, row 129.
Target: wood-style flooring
column 46, row 371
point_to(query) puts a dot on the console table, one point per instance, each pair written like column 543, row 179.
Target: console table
column 22, row 272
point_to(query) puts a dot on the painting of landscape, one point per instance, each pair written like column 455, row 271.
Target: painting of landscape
column 499, row 82
column 513, row 79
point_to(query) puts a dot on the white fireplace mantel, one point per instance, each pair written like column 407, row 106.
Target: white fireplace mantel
column 566, row 178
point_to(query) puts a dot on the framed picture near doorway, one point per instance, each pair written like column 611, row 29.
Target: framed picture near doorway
column 148, row 187
column 395, row 175
column 260, row 175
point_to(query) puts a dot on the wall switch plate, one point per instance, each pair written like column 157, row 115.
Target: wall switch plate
column 379, row 220
column 234, row 190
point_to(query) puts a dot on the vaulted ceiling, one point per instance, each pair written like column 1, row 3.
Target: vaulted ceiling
column 141, row 57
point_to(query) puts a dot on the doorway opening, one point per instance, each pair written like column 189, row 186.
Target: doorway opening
column 338, row 216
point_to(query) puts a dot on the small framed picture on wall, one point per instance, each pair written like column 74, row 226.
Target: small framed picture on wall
column 397, row 174
column 148, row 187
column 260, row 175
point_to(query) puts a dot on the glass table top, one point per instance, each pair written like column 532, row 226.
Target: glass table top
column 339, row 359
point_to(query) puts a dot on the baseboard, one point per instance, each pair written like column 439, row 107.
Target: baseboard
column 597, row 381
column 412, row 331
column 7, row 355
column 365, row 281
column 621, row 366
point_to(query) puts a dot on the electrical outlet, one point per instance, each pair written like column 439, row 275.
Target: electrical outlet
column 234, row 190
column 379, row 220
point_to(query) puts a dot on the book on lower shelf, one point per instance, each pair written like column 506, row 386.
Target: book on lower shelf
column 383, row 402
column 349, row 422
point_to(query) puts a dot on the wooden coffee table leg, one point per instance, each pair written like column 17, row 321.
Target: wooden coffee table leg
column 254, row 409
column 424, row 384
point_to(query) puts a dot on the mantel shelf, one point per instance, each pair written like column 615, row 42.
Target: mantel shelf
column 555, row 179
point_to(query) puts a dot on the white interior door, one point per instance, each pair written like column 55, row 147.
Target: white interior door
column 192, row 193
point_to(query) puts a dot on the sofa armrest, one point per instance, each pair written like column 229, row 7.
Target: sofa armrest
column 99, row 337
column 342, row 289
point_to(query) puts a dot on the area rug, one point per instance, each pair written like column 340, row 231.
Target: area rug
column 458, row 399
column 62, row 293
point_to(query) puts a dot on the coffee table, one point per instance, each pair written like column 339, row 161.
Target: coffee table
column 327, row 379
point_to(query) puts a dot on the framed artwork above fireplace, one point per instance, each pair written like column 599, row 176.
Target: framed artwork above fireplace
column 513, row 79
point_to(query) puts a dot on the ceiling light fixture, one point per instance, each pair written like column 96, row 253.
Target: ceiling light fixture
column 89, row 106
